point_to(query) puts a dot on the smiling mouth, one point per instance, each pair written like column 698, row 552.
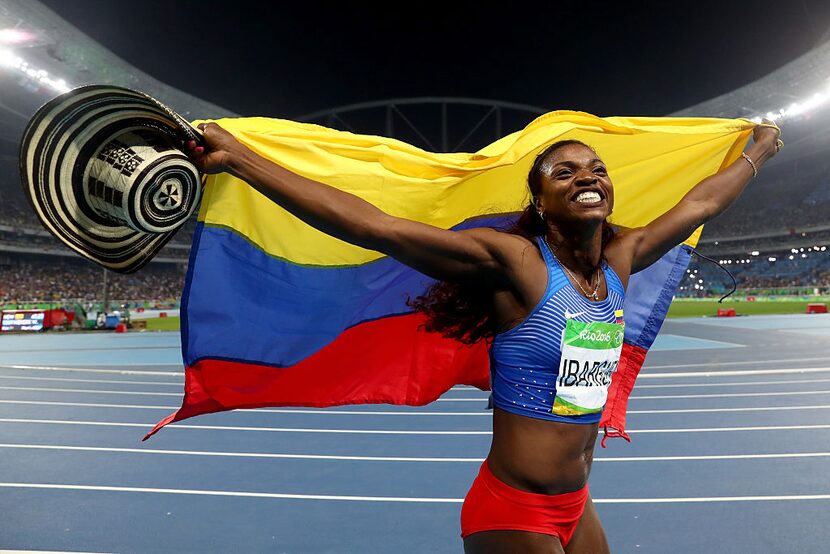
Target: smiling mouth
column 588, row 197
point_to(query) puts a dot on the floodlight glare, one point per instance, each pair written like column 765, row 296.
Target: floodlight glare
column 15, row 36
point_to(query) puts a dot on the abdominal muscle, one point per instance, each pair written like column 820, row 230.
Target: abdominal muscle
column 540, row 456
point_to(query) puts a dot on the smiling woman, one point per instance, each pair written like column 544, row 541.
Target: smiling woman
column 546, row 296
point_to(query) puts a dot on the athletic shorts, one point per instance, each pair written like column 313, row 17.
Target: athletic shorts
column 494, row 505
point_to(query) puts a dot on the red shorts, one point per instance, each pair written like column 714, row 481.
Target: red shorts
column 493, row 505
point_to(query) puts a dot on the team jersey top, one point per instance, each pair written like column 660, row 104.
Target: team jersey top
column 557, row 363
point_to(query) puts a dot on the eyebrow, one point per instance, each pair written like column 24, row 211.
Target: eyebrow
column 569, row 163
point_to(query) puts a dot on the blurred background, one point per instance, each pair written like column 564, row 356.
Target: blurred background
column 446, row 84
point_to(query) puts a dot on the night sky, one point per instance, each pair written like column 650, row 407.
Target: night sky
column 608, row 58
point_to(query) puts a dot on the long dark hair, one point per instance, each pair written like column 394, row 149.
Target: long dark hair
column 465, row 312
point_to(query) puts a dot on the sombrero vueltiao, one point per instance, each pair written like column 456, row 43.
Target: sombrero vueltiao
column 103, row 170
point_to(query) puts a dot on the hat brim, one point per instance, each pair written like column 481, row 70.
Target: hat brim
column 61, row 141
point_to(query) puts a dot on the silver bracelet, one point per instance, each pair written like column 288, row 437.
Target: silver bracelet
column 751, row 163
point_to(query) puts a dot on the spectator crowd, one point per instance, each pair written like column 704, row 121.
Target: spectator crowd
column 60, row 279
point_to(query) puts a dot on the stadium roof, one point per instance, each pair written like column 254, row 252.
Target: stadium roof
column 42, row 55
column 795, row 88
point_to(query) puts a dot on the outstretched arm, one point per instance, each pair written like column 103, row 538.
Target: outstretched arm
column 446, row 255
column 705, row 201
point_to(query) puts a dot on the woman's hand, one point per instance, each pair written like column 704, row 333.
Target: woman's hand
column 768, row 135
column 218, row 151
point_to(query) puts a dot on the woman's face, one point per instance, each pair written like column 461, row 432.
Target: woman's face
column 575, row 186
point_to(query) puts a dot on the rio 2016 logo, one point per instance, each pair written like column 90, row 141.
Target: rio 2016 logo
column 594, row 336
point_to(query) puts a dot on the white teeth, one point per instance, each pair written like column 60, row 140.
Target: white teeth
column 588, row 197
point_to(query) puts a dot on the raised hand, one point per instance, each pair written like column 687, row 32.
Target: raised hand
column 218, row 150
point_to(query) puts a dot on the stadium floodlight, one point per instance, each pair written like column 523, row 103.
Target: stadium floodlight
column 771, row 258
column 15, row 36
column 755, row 253
column 8, row 59
column 796, row 108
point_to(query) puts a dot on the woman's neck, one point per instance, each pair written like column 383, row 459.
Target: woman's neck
column 580, row 250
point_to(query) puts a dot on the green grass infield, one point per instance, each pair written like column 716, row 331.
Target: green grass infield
column 163, row 323
column 681, row 307
column 709, row 307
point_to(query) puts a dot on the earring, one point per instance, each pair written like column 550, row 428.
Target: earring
column 541, row 214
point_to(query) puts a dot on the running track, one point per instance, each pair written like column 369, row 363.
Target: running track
column 731, row 453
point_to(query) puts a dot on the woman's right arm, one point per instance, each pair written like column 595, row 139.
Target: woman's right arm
column 447, row 255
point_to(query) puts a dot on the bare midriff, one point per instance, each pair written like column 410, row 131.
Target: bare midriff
column 540, row 456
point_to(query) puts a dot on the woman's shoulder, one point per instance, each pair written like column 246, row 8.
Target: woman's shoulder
column 512, row 249
column 500, row 237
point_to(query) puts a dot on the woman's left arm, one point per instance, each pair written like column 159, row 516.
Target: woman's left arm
column 710, row 197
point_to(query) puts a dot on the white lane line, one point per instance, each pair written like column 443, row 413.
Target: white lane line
column 153, row 393
column 735, row 384
column 483, row 397
column 232, row 493
column 674, row 396
column 649, row 375
column 87, row 405
column 241, row 428
column 646, row 374
column 751, row 409
column 712, row 499
column 241, row 454
column 745, row 362
column 97, row 370
column 316, row 411
column 320, row 411
column 93, row 391
column 728, row 395
column 380, row 432
column 425, row 500
column 48, row 552
column 731, row 429
column 108, row 381
column 398, row 458
column 478, row 400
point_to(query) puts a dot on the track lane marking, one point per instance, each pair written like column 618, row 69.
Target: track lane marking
column 316, row 411
column 107, row 381
column 386, row 432
column 426, row 500
column 735, row 384
column 786, row 371
column 243, row 428
column 98, row 370
column 320, row 411
column 744, row 362
column 477, row 399
column 646, row 374
column 456, row 388
column 716, row 457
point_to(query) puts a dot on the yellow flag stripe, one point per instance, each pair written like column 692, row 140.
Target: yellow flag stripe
column 653, row 162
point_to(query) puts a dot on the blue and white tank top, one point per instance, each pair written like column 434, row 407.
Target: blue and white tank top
column 557, row 363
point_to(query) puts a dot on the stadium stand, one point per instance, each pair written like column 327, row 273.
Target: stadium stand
column 773, row 238
column 27, row 278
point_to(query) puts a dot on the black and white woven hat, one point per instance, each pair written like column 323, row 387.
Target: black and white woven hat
column 103, row 169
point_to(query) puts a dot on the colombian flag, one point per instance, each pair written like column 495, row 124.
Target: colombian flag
column 276, row 313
